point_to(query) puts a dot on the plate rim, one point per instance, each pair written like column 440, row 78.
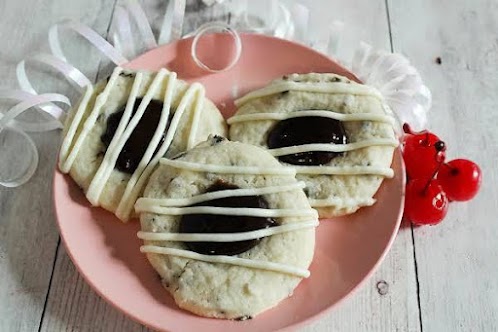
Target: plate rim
column 402, row 173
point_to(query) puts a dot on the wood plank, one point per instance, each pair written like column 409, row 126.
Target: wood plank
column 72, row 304
column 386, row 302
column 457, row 260
column 28, row 236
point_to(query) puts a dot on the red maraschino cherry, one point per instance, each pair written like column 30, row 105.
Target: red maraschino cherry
column 425, row 202
column 423, row 153
column 432, row 184
column 460, row 179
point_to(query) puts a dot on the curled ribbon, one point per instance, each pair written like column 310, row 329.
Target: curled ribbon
column 9, row 123
column 392, row 74
column 397, row 80
column 28, row 98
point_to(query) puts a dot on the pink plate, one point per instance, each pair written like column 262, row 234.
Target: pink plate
column 106, row 252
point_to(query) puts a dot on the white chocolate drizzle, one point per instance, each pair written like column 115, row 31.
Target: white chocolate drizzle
column 322, row 87
column 383, row 118
column 225, row 169
column 342, row 202
column 65, row 159
column 67, row 155
column 333, row 147
column 330, row 88
column 73, row 142
column 123, row 132
column 226, row 237
column 209, row 196
column 195, row 119
column 133, row 183
column 345, row 170
column 133, row 191
column 244, row 262
column 226, row 211
column 162, row 206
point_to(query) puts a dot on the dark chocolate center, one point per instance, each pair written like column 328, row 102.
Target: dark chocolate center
column 139, row 140
column 307, row 130
column 211, row 223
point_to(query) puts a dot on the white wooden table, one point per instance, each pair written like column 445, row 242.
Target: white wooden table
column 442, row 278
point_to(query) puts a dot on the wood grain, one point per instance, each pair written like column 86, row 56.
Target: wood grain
column 388, row 300
column 28, row 236
column 457, row 260
column 71, row 304
column 392, row 287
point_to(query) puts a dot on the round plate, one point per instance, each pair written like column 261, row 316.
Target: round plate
column 348, row 249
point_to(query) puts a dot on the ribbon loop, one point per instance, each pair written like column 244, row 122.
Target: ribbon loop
column 30, row 149
column 397, row 80
column 27, row 102
column 90, row 35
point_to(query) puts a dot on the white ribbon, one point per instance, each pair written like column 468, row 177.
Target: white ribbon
column 143, row 24
column 392, row 74
column 214, row 27
column 28, row 98
column 90, row 35
column 397, row 80
column 32, row 165
column 9, row 123
column 121, row 32
column 172, row 26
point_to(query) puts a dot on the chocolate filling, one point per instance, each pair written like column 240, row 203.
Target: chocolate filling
column 211, row 223
column 307, row 130
column 140, row 138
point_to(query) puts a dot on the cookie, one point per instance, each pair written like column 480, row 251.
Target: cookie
column 337, row 134
column 115, row 136
column 228, row 229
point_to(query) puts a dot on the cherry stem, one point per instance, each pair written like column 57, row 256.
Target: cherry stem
column 453, row 170
column 407, row 129
column 426, row 139
column 424, row 191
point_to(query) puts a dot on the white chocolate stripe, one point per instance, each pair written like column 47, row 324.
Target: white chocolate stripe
column 226, row 211
column 123, row 211
column 226, row 237
column 243, row 262
column 178, row 202
column 342, row 202
column 64, row 165
column 130, row 127
column 383, row 118
column 333, row 147
column 225, row 169
column 195, row 119
column 332, row 88
column 123, row 132
column 97, row 184
column 125, row 208
column 90, row 121
column 345, row 170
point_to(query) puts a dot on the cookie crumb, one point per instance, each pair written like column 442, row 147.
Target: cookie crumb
column 181, row 154
column 125, row 74
column 243, row 318
column 439, row 61
column 218, row 139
